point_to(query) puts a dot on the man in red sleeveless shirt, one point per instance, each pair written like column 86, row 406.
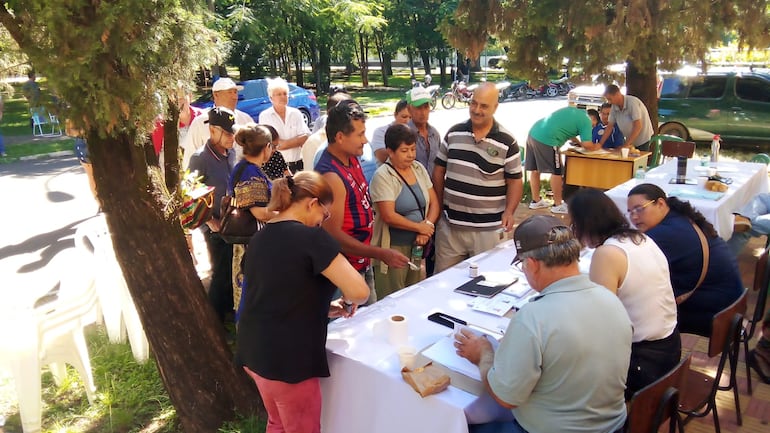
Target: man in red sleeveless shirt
column 351, row 213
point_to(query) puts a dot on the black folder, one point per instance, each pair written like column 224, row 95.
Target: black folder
column 473, row 288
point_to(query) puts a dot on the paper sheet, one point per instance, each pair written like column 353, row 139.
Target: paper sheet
column 444, row 352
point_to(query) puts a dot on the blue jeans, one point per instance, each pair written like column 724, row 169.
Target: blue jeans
column 497, row 427
column 758, row 211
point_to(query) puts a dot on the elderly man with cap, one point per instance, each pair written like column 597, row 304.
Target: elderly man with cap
column 562, row 364
column 225, row 94
column 428, row 137
column 214, row 162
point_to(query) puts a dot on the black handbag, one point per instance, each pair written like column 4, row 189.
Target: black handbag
column 237, row 225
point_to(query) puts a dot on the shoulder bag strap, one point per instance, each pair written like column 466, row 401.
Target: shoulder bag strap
column 422, row 210
column 704, row 267
column 236, row 179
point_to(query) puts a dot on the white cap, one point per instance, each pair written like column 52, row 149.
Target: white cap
column 225, row 83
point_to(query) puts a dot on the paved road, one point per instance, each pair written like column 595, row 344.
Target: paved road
column 45, row 199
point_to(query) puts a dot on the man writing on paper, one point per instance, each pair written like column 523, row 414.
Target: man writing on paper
column 562, row 364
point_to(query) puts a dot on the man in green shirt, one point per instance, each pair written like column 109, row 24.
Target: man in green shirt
column 542, row 155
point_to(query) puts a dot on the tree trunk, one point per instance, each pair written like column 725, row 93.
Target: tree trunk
column 387, row 63
column 378, row 42
column 187, row 339
column 364, row 61
column 642, row 82
column 410, row 57
column 425, row 56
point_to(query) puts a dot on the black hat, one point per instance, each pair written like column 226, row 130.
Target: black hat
column 223, row 118
column 535, row 232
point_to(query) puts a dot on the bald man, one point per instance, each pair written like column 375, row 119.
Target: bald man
column 478, row 180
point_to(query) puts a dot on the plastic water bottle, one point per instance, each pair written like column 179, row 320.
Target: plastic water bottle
column 704, row 160
column 715, row 149
column 417, row 251
column 640, row 173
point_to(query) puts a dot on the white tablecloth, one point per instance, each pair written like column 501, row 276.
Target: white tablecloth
column 366, row 393
column 749, row 179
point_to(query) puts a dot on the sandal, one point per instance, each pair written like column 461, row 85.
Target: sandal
column 754, row 364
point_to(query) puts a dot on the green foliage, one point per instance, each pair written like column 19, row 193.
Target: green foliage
column 542, row 34
column 94, row 54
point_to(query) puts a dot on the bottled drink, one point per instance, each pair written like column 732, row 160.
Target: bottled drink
column 715, row 149
column 417, row 251
column 640, row 173
column 704, row 160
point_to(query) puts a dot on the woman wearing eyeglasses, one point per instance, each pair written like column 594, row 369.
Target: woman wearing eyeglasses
column 292, row 269
column 630, row 265
column 407, row 209
column 677, row 228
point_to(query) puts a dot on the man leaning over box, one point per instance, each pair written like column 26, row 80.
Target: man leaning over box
column 563, row 362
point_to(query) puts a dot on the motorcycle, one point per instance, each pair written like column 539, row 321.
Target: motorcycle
column 433, row 89
column 502, row 90
column 563, row 86
column 550, row 90
column 459, row 92
column 519, row 90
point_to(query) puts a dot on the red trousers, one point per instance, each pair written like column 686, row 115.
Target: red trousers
column 291, row 407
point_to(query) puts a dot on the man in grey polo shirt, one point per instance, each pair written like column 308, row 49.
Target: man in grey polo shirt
column 562, row 364
column 631, row 116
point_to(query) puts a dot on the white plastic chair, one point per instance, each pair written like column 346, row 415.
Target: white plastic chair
column 117, row 306
column 50, row 334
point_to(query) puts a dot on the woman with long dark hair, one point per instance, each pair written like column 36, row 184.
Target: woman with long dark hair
column 292, row 269
column 671, row 223
column 630, row 265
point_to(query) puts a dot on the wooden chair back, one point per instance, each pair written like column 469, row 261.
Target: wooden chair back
column 684, row 149
column 721, row 329
column 657, row 402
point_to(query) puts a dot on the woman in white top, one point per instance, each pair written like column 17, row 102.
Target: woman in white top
column 632, row 266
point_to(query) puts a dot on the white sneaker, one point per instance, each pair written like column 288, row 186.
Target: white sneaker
column 540, row 204
column 560, row 209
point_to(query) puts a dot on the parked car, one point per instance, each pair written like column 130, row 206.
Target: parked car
column 735, row 105
column 253, row 99
column 589, row 96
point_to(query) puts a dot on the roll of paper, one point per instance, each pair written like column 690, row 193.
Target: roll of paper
column 398, row 330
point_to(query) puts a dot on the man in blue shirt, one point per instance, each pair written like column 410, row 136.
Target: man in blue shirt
column 616, row 137
column 214, row 162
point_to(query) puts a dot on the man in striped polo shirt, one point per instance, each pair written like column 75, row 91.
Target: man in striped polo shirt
column 478, row 179
column 352, row 217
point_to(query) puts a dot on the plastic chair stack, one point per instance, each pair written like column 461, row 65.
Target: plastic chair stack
column 118, row 310
column 32, row 336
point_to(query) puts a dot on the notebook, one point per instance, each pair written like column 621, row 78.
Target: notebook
column 479, row 286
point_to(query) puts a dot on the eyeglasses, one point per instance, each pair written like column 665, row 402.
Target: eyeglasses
column 639, row 209
column 519, row 264
column 327, row 213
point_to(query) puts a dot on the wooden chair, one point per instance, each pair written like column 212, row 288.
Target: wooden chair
column 677, row 149
column 658, row 402
column 655, row 148
column 761, row 284
column 698, row 396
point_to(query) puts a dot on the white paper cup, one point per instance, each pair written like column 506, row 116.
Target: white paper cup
column 702, row 182
column 398, row 330
column 407, row 356
column 712, row 171
column 624, row 152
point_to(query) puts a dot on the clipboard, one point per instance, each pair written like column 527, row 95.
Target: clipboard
column 474, row 287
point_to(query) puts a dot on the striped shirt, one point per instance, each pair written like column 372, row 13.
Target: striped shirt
column 476, row 174
column 359, row 216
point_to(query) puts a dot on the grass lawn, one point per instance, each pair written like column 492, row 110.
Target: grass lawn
column 130, row 397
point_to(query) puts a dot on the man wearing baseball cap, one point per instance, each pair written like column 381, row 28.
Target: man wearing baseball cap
column 225, row 94
column 563, row 361
column 214, row 162
column 428, row 137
